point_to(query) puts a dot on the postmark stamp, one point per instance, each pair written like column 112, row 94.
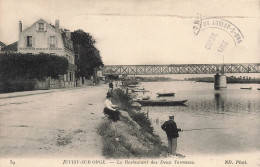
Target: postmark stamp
column 219, row 35
column 226, row 26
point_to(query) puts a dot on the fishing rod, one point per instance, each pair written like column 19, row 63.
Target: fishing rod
column 204, row 129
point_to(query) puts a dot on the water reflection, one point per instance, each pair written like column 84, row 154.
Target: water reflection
column 220, row 102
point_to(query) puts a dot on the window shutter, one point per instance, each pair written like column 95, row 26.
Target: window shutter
column 56, row 41
column 48, row 41
column 45, row 29
column 37, row 27
column 25, row 41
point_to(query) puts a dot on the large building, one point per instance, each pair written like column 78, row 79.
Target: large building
column 42, row 37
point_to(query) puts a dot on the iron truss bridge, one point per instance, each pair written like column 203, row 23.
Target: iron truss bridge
column 179, row 69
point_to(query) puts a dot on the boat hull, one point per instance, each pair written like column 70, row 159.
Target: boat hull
column 161, row 103
column 132, row 86
column 165, row 94
column 247, row 88
column 140, row 90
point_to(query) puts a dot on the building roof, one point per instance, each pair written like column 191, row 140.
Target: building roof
column 2, row 44
column 67, row 42
column 11, row 48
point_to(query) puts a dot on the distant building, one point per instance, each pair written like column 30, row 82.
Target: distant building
column 99, row 73
column 42, row 37
column 2, row 45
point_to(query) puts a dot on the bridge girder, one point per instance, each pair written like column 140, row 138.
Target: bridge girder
column 180, row 69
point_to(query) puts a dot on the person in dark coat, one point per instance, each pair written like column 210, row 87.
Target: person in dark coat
column 111, row 86
column 171, row 130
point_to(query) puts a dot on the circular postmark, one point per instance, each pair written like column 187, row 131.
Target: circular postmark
column 218, row 23
column 219, row 35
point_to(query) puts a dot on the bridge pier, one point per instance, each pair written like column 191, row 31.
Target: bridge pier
column 220, row 81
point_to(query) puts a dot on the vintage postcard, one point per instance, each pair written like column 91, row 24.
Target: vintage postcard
column 171, row 83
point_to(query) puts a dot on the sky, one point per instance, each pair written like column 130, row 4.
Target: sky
column 145, row 32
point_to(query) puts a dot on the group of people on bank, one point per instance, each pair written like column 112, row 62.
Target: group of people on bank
column 170, row 127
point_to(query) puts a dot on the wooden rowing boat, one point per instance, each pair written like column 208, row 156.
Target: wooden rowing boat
column 249, row 88
column 146, row 98
column 139, row 90
column 161, row 102
column 132, row 86
column 166, row 94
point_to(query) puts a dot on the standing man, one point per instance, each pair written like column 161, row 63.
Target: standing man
column 111, row 86
column 171, row 130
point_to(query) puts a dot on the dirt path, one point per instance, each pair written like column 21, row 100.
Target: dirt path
column 57, row 124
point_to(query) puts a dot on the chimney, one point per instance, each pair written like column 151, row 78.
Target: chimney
column 57, row 24
column 20, row 27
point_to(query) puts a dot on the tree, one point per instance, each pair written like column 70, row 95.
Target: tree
column 29, row 66
column 87, row 55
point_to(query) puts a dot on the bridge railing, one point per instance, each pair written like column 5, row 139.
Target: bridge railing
column 180, row 69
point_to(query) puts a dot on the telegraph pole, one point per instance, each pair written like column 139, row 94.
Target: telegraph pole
column 223, row 65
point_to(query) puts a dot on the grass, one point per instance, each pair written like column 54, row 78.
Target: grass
column 131, row 137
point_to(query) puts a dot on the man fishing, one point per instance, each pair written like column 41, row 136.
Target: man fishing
column 171, row 130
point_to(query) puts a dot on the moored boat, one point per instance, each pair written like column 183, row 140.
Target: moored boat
column 139, row 90
column 166, row 94
column 146, row 98
column 161, row 102
column 249, row 88
column 132, row 86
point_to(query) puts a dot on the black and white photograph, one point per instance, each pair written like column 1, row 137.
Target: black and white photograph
column 163, row 83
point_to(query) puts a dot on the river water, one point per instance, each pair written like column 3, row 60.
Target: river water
column 224, row 121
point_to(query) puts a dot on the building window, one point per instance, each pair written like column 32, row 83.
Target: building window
column 70, row 76
column 52, row 41
column 29, row 41
column 41, row 26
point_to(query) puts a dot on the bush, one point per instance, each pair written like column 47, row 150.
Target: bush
column 17, row 85
column 142, row 120
column 121, row 99
column 18, row 71
column 28, row 66
column 124, row 101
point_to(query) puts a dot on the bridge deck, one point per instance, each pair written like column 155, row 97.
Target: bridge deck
column 180, row 69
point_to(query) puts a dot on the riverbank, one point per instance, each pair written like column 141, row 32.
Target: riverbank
column 132, row 136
